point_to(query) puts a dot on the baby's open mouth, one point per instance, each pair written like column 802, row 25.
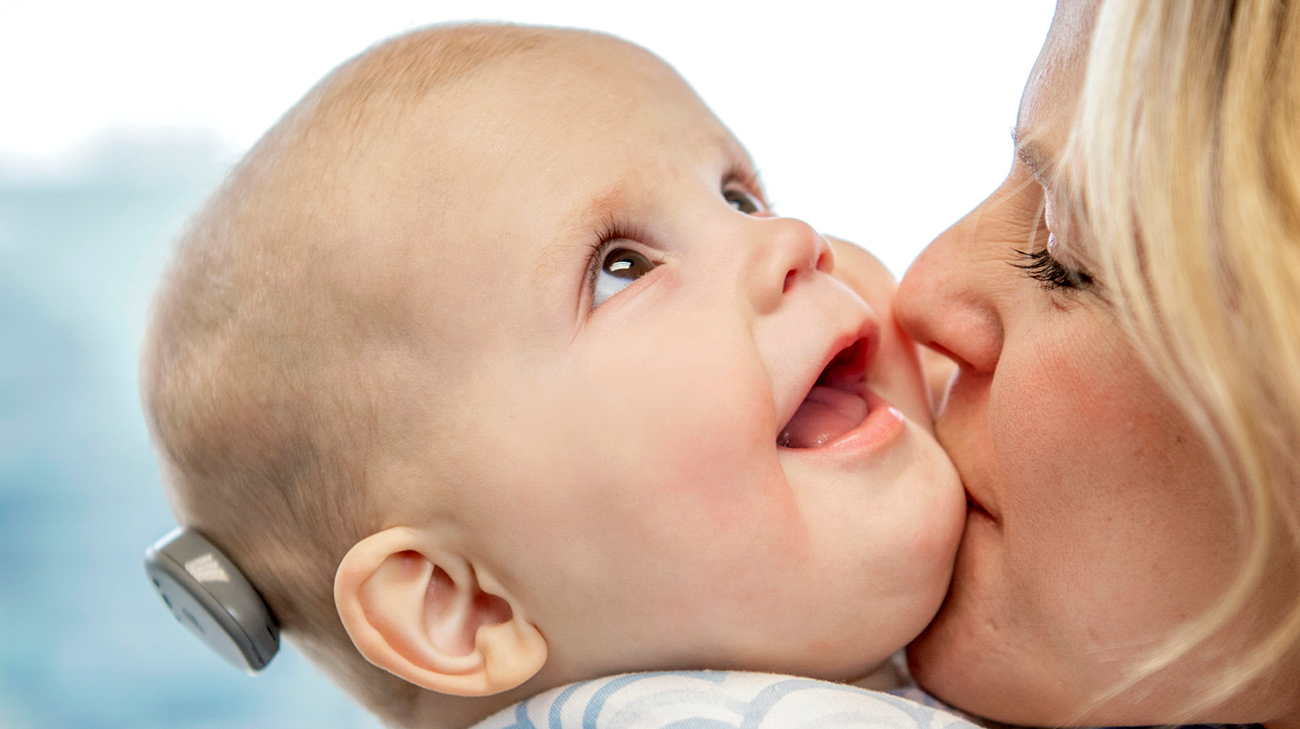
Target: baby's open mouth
column 835, row 405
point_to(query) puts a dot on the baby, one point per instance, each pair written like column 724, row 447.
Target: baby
column 492, row 369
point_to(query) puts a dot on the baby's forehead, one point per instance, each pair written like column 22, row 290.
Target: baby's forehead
column 595, row 117
column 561, row 143
column 587, row 95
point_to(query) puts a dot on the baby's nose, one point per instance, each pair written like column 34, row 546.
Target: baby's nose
column 786, row 252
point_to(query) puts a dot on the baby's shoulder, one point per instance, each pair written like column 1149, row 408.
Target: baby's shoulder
column 718, row 699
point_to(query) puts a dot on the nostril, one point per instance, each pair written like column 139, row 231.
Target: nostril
column 789, row 281
column 826, row 260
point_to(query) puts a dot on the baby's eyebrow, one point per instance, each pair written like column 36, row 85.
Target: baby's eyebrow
column 603, row 205
column 745, row 173
column 576, row 234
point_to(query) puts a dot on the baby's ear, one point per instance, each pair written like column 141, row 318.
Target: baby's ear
column 431, row 617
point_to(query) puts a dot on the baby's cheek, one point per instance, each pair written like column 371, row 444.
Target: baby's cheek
column 903, row 374
column 717, row 454
column 930, row 514
column 729, row 492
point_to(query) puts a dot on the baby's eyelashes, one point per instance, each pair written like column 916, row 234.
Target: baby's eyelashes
column 619, row 267
column 743, row 200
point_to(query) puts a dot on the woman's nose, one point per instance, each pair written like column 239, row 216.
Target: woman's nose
column 947, row 302
column 784, row 251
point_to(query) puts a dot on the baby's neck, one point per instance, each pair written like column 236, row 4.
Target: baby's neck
column 891, row 674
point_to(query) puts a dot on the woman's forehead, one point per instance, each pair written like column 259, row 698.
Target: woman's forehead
column 1048, row 103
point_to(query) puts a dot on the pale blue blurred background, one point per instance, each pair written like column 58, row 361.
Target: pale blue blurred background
column 882, row 124
column 83, row 641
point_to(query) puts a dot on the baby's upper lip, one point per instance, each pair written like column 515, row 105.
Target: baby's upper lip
column 866, row 336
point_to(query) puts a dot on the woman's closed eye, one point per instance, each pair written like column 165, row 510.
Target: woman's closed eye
column 1050, row 273
column 1041, row 264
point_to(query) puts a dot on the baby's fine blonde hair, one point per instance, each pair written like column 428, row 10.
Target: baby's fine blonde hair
column 1184, row 161
column 267, row 374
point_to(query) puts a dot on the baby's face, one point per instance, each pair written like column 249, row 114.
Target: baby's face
column 675, row 436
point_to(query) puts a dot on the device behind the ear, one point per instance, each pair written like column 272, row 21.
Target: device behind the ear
column 209, row 595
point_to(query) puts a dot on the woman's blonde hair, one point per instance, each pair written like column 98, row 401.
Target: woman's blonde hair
column 1184, row 164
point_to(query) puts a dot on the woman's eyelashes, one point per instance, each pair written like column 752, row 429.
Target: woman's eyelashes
column 1050, row 273
column 1039, row 263
column 615, row 266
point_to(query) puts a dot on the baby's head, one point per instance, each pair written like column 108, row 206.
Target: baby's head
column 490, row 367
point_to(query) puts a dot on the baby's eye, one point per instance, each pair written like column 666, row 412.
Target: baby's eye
column 742, row 200
column 618, row 268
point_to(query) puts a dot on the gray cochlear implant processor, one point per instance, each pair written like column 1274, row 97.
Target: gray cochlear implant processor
column 209, row 595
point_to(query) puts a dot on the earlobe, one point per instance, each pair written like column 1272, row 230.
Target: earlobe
column 432, row 617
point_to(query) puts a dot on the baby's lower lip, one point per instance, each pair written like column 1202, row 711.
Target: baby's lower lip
column 882, row 425
column 826, row 414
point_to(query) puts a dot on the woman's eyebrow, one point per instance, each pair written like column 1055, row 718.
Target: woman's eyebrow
column 1030, row 153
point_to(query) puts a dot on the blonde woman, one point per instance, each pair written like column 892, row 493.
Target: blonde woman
column 1125, row 314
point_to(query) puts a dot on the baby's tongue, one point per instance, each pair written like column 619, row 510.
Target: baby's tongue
column 826, row 414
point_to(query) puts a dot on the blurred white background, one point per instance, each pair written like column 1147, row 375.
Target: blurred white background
column 881, row 122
